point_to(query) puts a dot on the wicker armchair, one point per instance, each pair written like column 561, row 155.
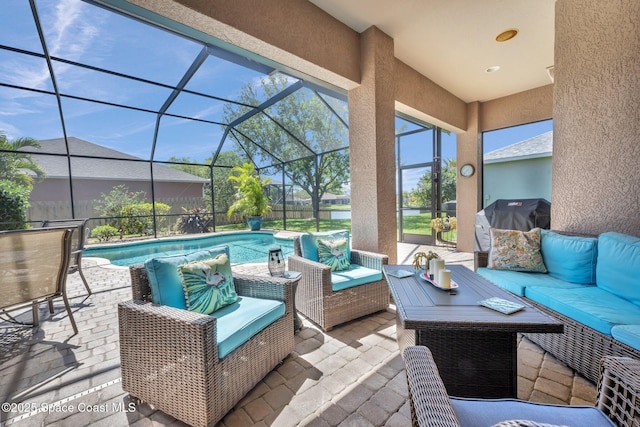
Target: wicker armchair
column 618, row 397
column 169, row 357
column 316, row 299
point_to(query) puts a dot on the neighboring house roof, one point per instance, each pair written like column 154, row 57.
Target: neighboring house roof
column 109, row 167
column 536, row 147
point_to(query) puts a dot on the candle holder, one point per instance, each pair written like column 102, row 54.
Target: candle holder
column 276, row 262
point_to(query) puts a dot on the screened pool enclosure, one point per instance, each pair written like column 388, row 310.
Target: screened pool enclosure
column 136, row 122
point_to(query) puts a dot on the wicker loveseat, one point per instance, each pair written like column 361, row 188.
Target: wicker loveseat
column 591, row 286
column 329, row 298
column 171, row 357
column 617, row 402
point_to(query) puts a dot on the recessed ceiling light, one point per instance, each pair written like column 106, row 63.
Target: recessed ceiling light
column 492, row 69
column 507, row 35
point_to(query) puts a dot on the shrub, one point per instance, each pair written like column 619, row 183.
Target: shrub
column 128, row 212
column 14, row 202
column 138, row 218
column 104, row 233
column 194, row 221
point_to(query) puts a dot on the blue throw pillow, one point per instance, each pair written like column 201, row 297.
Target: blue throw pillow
column 309, row 243
column 208, row 284
column 334, row 254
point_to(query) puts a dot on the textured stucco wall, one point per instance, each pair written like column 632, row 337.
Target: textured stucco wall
column 525, row 107
column 421, row 98
column 468, row 188
column 372, row 152
column 596, row 150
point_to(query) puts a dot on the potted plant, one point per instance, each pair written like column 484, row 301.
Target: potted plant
column 250, row 200
column 421, row 260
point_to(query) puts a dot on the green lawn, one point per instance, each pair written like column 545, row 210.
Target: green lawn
column 413, row 224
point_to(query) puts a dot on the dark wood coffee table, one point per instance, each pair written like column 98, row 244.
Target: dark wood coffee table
column 474, row 347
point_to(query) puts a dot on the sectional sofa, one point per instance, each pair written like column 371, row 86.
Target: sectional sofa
column 592, row 284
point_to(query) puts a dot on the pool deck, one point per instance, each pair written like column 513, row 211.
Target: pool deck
column 350, row 376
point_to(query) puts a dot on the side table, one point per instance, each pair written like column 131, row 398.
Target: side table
column 295, row 276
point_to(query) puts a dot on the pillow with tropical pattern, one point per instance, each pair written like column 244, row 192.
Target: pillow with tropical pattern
column 334, row 254
column 208, row 284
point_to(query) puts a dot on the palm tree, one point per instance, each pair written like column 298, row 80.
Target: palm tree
column 14, row 164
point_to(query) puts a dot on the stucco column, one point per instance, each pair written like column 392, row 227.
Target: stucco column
column 371, row 142
column 469, row 189
column 596, row 117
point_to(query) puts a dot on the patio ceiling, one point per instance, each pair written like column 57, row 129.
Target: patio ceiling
column 461, row 35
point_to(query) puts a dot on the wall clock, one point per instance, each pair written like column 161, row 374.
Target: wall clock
column 467, row 170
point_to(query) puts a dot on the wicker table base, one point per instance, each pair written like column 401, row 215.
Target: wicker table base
column 475, row 348
column 471, row 363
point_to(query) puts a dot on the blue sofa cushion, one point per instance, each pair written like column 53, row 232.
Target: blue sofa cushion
column 589, row 305
column 516, row 281
column 570, row 258
column 164, row 278
column 487, row 412
column 618, row 266
column 358, row 275
column 238, row 322
column 309, row 243
column 627, row 334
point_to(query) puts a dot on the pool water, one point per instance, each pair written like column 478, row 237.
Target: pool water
column 243, row 248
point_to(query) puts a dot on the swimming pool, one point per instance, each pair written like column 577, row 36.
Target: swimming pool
column 243, row 247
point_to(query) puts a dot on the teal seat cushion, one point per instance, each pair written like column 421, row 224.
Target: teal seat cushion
column 589, row 305
column 309, row 243
column 570, row 258
column 487, row 412
column 627, row 334
column 517, row 281
column 164, row 277
column 618, row 266
column 238, row 322
column 356, row 276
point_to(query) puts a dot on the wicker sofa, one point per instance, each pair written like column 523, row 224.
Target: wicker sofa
column 590, row 287
column 360, row 291
column 171, row 359
column 617, row 402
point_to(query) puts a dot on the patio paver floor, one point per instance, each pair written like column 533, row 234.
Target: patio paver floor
column 350, row 376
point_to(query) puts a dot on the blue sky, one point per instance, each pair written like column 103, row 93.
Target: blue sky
column 77, row 31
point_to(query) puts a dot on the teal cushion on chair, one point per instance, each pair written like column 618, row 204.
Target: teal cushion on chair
column 238, row 322
column 309, row 243
column 356, row 276
column 164, row 278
